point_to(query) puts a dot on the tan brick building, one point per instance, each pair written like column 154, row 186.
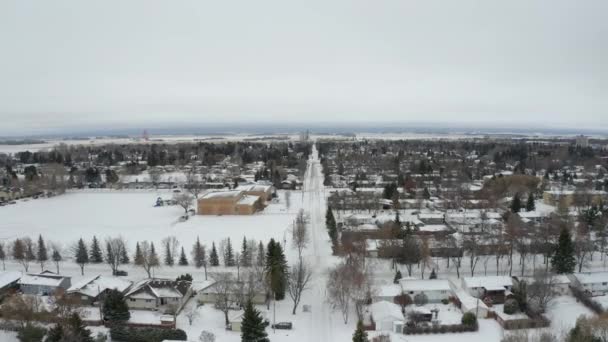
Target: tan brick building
column 233, row 202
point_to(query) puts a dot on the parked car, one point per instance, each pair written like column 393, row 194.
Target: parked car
column 282, row 325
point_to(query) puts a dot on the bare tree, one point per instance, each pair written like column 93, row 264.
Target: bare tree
column 147, row 259
column 206, row 336
column 193, row 182
column 349, row 283
column 339, row 289
column 184, row 200
column 299, row 234
column 155, row 175
column 171, row 246
column 298, row 279
column 224, row 297
column 583, row 246
column 287, row 199
column 541, row 291
column 472, row 248
column 115, row 248
column 191, row 314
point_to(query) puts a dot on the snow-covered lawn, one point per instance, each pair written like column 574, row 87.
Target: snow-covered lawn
column 563, row 312
column 66, row 218
column 489, row 331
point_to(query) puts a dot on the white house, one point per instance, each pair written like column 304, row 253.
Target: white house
column 386, row 293
column 595, row 284
column 385, row 314
column 435, row 290
column 158, row 294
column 495, row 288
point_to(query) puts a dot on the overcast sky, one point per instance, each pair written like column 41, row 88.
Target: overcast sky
column 143, row 63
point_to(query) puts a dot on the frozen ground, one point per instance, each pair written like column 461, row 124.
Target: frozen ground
column 64, row 219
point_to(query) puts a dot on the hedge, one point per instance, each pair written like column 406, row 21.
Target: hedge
column 587, row 301
column 125, row 334
column 440, row 329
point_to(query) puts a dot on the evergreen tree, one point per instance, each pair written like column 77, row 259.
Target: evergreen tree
column 124, row 257
column 110, row 257
column 229, row 254
column 433, row 274
column 96, row 255
column 332, row 230
column 516, row 204
column 530, row 205
column 214, row 260
column 261, row 255
column 183, row 261
column 55, row 334
column 18, row 250
column 276, row 269
column 153, row 258
column 198, row 254
column 81, row 255
column 245, row 254
column 563, row 261
column 56, row 259
column 138, row 259
column 77, row 330
column 253, row 328
column 397, row 277
column 42, row 255
column 115, row 308
column 2, row 256
column 360, row 334
column 168, row 255
column 29, row 250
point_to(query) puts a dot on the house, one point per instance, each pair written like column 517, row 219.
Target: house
column 435, row 290
column 492, row 288
column 384, row 314
column 95, row 288
column 432, row 218
column 8, row 280
column 208, row 295
column 233, row 202
column 45, row 283
column 158, row 294
column 560, row 283
column 594, row 284
column 468, row 303
column 386, row 293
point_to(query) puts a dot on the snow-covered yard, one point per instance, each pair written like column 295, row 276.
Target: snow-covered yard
column 66, row 218
column 563, row 312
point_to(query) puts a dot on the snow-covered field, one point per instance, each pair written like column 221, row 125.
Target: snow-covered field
column 64, row 219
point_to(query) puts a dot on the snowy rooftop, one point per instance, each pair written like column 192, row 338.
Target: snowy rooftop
column 433, row 228
column 9, row 277
column 222, row 194
column 93, row 286
column 41, row 279
column 248, row 200
column 425, row 285
column 383, row 311
column 489, row 282
column 390, row 290
column 591, row 278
